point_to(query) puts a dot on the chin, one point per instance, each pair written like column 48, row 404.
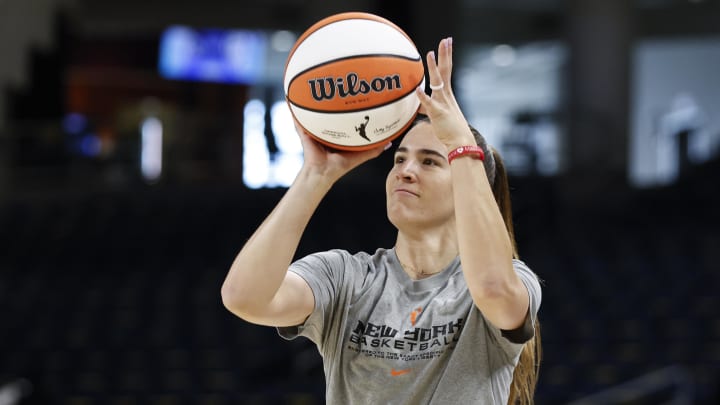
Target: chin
column 401, row 219
column 395, row 217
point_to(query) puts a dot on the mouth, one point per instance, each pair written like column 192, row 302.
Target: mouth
column 405, row 191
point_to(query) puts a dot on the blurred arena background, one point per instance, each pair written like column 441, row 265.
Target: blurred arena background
column 142, row 142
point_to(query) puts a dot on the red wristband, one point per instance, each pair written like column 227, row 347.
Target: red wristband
column 474, row 151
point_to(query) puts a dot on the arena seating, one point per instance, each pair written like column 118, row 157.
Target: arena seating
column 114, row 297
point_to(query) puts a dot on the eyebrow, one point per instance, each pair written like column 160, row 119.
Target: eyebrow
column 422, row 151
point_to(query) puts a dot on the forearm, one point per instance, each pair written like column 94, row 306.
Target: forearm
column 485, row 247
column 259, row 269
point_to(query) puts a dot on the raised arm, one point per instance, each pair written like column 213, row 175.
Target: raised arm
column 486, row 251
column 258, row 287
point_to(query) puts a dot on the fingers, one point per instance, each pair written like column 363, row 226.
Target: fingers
column 435, row 78
column 300, row 131
column 445, row 59
column 439, row 70
column 424, row 100
column 421, row 109
column 440, row 66
column 298, row 128
column 305, row 139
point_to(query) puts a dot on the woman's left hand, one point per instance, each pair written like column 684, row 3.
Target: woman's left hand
column 441, row 107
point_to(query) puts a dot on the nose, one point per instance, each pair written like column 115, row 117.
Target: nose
column 407, row 171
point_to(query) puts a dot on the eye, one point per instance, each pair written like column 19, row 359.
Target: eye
column 399, row 159
column 429, row 161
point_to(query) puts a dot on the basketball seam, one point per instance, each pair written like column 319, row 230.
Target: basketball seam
column 403, row 95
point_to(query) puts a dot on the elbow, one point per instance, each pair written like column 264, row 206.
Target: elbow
column 228, row 299
column 240, row 303
column 231, row 299
column 243, row 306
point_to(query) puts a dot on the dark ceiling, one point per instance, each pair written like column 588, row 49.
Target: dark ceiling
column 128, row 17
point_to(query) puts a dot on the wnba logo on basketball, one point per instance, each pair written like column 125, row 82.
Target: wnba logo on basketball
column 326, row 88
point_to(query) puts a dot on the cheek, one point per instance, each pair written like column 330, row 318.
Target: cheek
column 446, row 197
column 388, row 181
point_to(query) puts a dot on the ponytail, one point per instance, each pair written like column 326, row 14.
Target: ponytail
column 526, row 372
column 501, row 191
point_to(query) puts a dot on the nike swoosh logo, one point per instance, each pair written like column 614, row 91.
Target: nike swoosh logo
column 396, row 373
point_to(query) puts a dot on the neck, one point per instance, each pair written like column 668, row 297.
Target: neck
column 425, row 254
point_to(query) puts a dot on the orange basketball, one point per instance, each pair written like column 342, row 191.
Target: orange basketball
column 350, row 81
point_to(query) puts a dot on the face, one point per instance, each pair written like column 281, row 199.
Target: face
column 418, row 187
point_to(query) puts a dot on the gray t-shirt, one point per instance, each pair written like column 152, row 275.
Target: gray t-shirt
column 388, row 339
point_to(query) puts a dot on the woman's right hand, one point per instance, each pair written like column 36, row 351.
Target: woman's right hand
column 330, row 163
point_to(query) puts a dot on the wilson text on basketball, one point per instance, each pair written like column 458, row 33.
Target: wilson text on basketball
column 327, row 88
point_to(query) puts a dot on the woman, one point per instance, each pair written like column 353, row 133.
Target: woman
column 442, row 317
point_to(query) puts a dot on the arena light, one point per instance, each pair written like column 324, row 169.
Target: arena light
column 151, row 131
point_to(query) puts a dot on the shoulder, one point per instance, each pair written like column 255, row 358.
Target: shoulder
column 343, row 259
column 341, row 254
column 532, row 283
column 337, row 255
column 327, row 257
column 531, row 280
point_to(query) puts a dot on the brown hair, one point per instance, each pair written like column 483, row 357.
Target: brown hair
column 526, row 372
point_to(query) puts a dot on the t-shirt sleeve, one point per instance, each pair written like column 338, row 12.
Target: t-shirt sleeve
column 324, row 272
column 510, row 339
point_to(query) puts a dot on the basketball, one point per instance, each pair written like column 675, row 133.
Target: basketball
column 350, row 81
